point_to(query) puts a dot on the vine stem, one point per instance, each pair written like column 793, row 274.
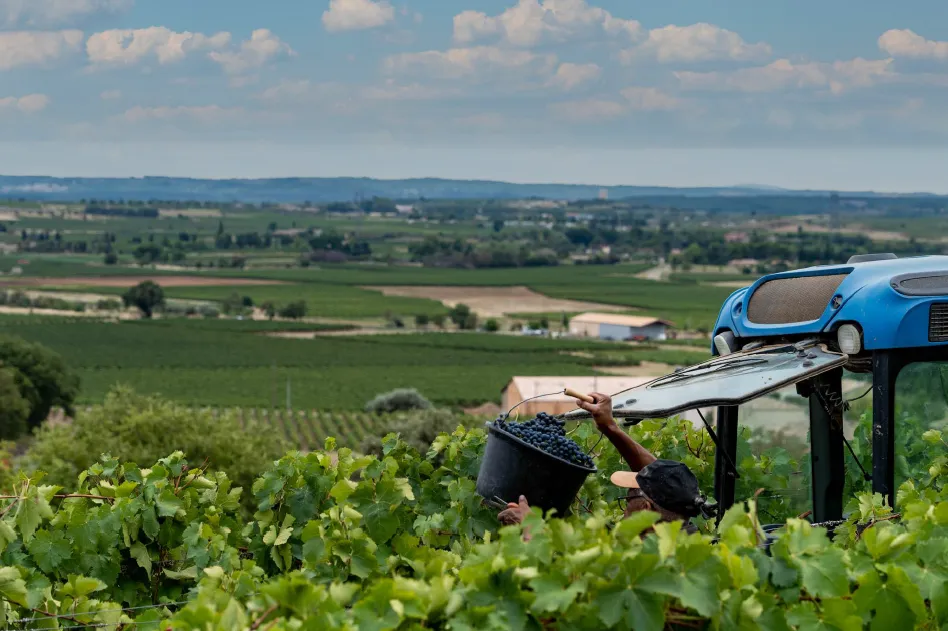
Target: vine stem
column 256, row 623
column 66, row 496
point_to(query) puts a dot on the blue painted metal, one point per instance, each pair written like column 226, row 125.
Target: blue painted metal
column 889, row 319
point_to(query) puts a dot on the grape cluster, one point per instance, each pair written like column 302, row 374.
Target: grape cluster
column 547, row 434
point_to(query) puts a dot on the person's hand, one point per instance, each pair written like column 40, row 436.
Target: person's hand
column 514, row 513
column 601, row 410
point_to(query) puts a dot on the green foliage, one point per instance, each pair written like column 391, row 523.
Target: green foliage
column 417, row 428
column 42, row 380
column 14, row 409
column 145, row 296
column 403, row 542
column 141, row 428
column 397, row 401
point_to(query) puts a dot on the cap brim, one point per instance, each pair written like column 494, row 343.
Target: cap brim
column 625, row 479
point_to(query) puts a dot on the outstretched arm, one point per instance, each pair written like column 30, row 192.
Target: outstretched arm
column 635, row 455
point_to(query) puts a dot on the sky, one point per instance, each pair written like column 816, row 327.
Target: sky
column 840, row 95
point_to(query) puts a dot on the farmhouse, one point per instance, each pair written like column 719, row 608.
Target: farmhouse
column 522, row 388
column 610, row 326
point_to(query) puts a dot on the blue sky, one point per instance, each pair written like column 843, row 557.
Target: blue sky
column 842, row 95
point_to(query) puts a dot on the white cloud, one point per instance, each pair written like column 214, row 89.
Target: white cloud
column 569, row 76
column 354, row 15
column 783, row 74
column 457, row 63
column 650, row 99
column 392, row 91
column 262, row 47
column 695, row 43
column 30, row 48
column 201, row 113
column 907, row 43
column 47, row 12
column 28, row 104
column 111, row 95
column 589, row 109
column 530, row 21
column 130, row 46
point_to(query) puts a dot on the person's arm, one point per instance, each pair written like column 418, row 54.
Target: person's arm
column 635, row 455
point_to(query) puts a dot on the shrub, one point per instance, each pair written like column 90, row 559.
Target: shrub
column 140, row 429
column 417, row 428
column 397, row 401
column 491, row 326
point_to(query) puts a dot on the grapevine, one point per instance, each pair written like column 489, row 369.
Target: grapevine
column 403, row 542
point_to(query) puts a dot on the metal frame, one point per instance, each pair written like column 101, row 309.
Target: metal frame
column 826, row 433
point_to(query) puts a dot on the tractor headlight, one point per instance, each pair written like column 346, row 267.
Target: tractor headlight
column 724, row 343
column 850, row 341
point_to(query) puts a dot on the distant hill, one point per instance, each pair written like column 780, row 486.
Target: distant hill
column 295, row 190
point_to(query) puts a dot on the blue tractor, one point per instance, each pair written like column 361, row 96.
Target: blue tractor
column 875, row 315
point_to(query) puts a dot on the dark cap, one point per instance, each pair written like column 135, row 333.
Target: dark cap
column 669, row 484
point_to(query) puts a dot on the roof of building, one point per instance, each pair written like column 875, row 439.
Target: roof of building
column 554, row 386
column 620, row 320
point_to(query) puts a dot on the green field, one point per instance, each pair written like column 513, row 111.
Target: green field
column 335, row 291
column 218, row 363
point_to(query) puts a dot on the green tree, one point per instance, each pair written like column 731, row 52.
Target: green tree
column 491, row 326
column 270, row 309
column 421, row 320
column 111, row 258
column 40, row 375
column 294, row 310
column 14, row 409
column 146, row 296
column 459, row 314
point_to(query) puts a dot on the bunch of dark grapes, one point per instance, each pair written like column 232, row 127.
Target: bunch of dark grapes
column 547, row 434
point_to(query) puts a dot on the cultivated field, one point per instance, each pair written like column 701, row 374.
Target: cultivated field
column 495, row 301
column 125, row 282
column 226, row 363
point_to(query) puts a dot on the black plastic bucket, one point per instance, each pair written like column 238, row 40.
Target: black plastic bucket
column 512, row 468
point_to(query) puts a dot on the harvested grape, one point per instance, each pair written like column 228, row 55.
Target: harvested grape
column 547, row 434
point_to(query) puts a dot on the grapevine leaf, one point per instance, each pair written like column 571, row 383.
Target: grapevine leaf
column 885, row 601
column 824, row 575
column 12, row 585
column 380, row 522
column 554, row 594
column 638, row 610
column 139, row 552
column 187, row 573
column 29, row 516
column 150, row 522
column 168, row 504
column 79, row 586
column 342, row 490
column 49, row 549
column 7, row 534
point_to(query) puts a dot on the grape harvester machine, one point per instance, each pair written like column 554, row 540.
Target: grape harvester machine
column 874, row 315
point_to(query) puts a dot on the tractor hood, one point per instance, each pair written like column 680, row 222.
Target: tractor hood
column 730, row 380
column 890, row 301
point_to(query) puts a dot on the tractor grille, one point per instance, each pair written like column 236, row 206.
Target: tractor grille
column 789, row 300
column 938, row 322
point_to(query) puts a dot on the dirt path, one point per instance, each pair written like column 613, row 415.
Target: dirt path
column 66, row 314
column 495, row 301
column 658, row 273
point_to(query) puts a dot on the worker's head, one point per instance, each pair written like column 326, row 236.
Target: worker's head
column 666, row 487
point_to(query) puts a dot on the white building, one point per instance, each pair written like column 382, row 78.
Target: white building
column 610, row 326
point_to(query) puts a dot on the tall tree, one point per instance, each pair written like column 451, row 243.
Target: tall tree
column 146, row 296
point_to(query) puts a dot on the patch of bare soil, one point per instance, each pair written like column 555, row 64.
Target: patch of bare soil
column 496, row 301
column 129, row 281
column 66, row 314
